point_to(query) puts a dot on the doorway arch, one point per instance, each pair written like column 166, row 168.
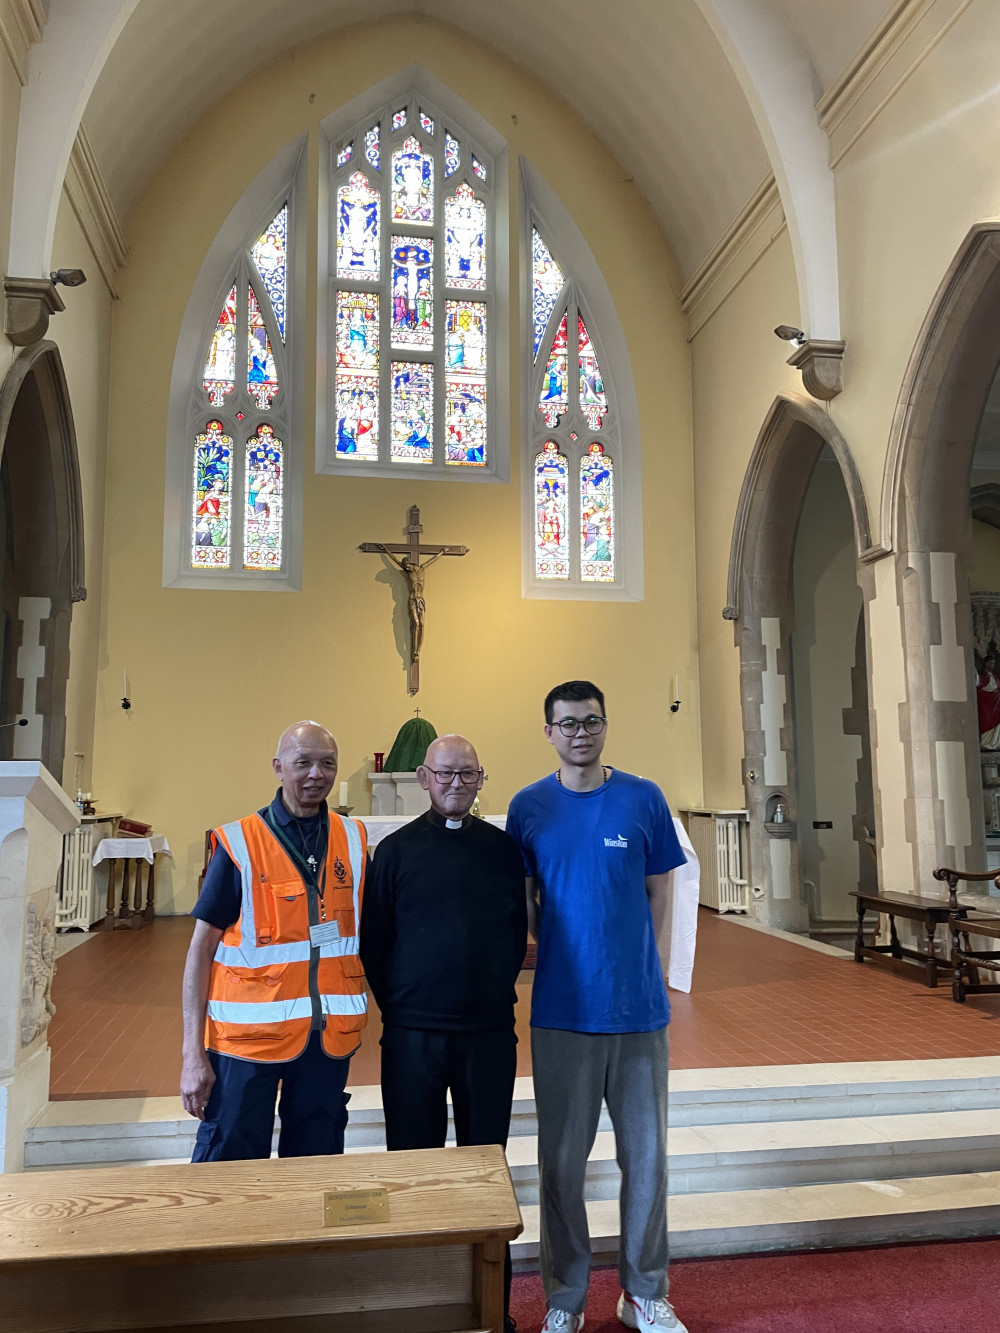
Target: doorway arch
column 760, row 602
column 41, row 553
column 926, row 507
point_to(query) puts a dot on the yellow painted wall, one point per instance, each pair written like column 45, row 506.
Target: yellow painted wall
column 984, row 567
column 83, row 334
column 215, row 676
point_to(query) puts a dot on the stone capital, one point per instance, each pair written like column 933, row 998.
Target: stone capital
column 28, row 303
column 822, row 365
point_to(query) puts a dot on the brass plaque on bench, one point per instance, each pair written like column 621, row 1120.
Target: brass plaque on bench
column 351, row 1208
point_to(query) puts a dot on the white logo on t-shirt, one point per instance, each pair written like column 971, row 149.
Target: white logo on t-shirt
column 616, row 842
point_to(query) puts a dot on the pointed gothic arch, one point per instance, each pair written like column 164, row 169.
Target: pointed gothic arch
column 927, row 514
column 41, row 553
column 760, row 602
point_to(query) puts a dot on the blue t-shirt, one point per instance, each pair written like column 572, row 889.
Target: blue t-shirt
column 589, row 854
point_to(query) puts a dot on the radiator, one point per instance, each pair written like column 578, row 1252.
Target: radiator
column 77, row 906
column 718, row 844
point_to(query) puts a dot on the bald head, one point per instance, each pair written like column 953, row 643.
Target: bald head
column 306, row 764
column 451, row 774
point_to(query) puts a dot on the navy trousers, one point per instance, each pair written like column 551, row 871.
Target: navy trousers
column 239, row 1117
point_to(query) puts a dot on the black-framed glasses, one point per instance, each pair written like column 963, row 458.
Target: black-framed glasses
column 592, row 725
column 468, row 777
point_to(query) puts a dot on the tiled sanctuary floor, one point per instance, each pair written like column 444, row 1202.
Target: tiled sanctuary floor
column 756, row 1000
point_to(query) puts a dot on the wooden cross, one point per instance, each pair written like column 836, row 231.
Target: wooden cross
column 413, row 571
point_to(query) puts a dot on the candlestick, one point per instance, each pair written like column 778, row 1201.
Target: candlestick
column 343, row 793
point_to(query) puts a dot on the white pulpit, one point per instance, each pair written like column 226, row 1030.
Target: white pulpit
column 35, row 813
column 398, row 794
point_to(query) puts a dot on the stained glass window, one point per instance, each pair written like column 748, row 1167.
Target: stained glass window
column 357, row 381
column 593, row 401
column 412, row 183
column 478, row 168
column 546, row 284
column 430, row 300
column 345, row 154
column 220, row 368
column 574, row 475
column 554, row 398
column 452, row 154
column 465, row 240
column 262, row 530
column 213, row 456
column 262, row 375
column 412, row 302
column 465, row 383
column 270, row 255
column 358, row 229
column 551, row 513
column 372, row 146
column 412, row 412
column 597, row 517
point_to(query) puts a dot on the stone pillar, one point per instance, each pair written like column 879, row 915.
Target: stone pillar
column 34, row 814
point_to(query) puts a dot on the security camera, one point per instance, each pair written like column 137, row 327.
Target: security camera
column 69, row 277
column 789, row 334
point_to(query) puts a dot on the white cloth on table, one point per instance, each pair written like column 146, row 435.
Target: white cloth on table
column 132, row 849
column 675, row 912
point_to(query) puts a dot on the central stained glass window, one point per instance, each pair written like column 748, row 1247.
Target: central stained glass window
column 412, row 294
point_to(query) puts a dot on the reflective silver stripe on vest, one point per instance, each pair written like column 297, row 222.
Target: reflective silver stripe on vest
column 248, row 953
column 281, row 1011
column 245, row 954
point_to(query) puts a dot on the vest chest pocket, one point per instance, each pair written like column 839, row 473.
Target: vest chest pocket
column 288, row 911
column 340, row 908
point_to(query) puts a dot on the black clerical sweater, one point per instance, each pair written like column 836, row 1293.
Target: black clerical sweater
column 444, row 926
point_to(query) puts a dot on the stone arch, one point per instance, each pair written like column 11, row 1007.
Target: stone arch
column 926, row 509
column 760, row 602
column 41, row 553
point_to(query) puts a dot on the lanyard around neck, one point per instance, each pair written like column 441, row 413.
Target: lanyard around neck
column 312, row 878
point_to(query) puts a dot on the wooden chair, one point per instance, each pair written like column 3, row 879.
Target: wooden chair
column 965, row 960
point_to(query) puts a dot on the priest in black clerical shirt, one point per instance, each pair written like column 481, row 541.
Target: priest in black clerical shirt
column 443, row 934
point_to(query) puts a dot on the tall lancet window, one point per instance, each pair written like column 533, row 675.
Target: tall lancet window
column 236, row 509
column 412, row 297
column 576, row 437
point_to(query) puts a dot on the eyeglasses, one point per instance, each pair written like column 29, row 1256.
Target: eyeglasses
column 592, row 725
column 467, row 776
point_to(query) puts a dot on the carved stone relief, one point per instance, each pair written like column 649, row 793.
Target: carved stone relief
column 39, row 968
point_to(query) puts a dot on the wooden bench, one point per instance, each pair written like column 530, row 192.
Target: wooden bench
column 933, row 912
column 225, row 1246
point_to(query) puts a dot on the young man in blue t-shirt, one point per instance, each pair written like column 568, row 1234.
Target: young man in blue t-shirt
column 595, row 842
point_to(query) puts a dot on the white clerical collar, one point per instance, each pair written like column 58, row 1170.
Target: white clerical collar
column 453, row 823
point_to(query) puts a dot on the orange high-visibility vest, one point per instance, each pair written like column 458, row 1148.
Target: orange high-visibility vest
column 260, row 1001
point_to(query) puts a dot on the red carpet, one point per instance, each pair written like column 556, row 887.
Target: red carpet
column 947, row 1287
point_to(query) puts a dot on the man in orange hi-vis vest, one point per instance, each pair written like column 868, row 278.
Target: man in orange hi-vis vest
column 274, row 992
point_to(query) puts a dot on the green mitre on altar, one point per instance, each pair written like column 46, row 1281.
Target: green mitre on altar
column 410, row 746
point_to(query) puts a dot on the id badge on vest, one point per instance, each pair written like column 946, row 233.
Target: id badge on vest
column 326, row 932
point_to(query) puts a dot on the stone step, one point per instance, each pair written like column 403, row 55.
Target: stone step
column 143, row 1129
column 863, row 1212
column 723, row 1158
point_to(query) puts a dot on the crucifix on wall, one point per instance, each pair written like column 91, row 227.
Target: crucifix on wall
column 413, row 571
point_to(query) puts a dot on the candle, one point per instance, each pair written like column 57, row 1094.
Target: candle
column 343, row 793
column 677, row 694
column 124, row 685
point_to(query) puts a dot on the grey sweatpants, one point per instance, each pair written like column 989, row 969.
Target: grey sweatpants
column 573, row 1072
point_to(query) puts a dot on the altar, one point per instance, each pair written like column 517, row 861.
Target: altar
column 675, row 914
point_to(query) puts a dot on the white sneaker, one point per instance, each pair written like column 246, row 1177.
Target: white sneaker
column 653, row 1316
column 562, row 1319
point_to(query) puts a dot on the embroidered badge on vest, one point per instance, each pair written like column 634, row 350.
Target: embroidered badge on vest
column 339, row 871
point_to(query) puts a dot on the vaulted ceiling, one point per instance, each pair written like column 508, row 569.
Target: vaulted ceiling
column 650, row 77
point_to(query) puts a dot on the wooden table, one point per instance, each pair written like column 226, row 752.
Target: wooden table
column 226, row 1246
column 134, row 852
column 933, row 912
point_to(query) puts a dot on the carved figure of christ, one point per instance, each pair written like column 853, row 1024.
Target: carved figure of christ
column 406, row 558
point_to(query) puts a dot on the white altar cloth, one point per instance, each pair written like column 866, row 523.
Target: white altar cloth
column 132, row 849
column 675, row 913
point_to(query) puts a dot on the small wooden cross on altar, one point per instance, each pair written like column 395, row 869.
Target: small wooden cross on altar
column 413, row 572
